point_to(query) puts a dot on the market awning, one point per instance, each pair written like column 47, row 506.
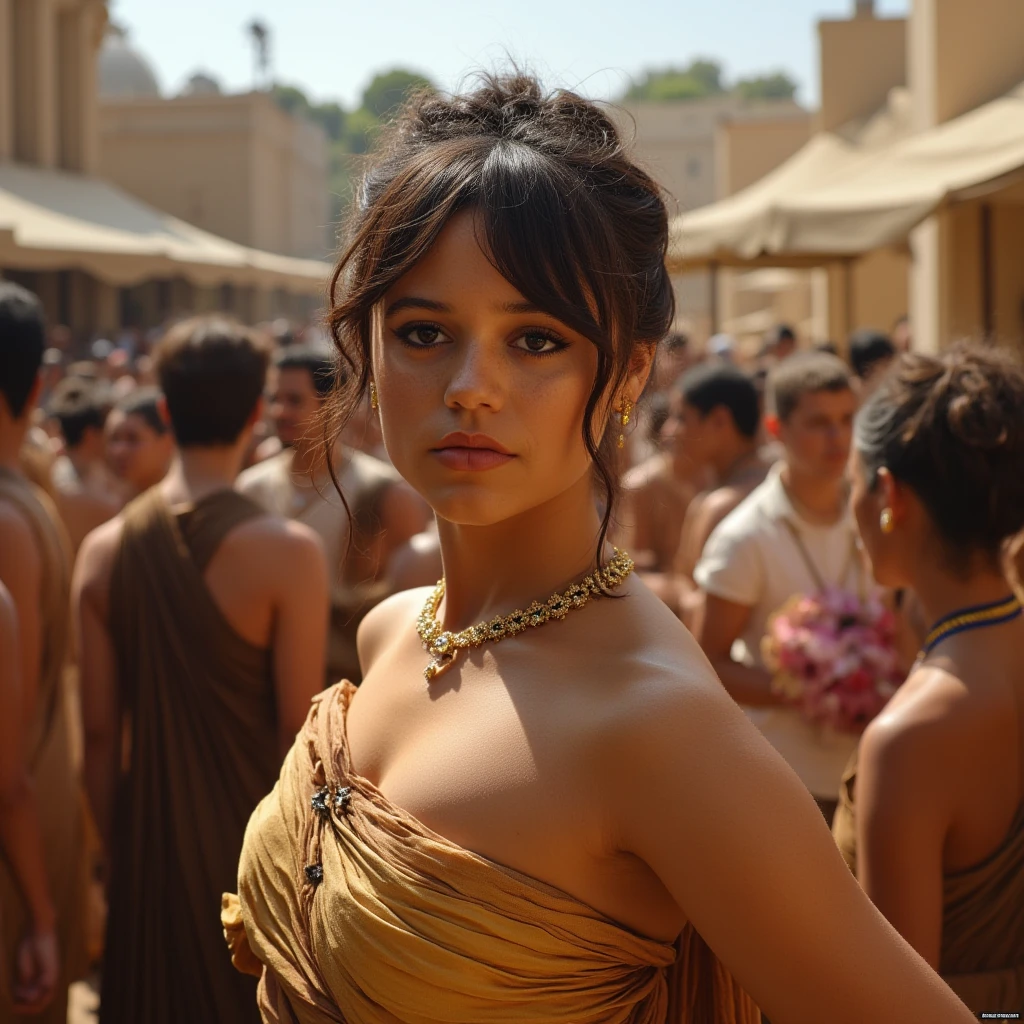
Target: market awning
column 836, row 199
column 55, row 220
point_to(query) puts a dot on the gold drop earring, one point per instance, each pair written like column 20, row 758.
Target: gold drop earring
column 624, row 413
column 886, row 521
column 374, row 403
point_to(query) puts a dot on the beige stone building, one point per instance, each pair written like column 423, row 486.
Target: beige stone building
column 235, row 165
column 910, row 195
column 99, row 258
column 701, row 151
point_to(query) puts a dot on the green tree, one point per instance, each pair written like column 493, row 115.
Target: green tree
column 388, row 89
column 775, row 86
column 700, row 78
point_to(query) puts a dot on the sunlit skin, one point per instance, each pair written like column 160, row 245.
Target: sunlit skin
column 294, row 405
column 138, row 455
column 950, row 733
column 599, row 754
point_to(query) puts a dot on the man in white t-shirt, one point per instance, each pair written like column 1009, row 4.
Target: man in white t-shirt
column 792, row 535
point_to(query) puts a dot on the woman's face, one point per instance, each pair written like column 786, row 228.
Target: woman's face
column 482, row 396
column 136, row 453
column 867, row 505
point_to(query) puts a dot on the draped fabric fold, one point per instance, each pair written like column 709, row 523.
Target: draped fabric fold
column 201, row 707
column 361, row 914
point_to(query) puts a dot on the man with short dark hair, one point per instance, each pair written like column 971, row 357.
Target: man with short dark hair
column 42, row 938
column 792, row 535
column 871, row 354
column 296, row 484
column 139, row 441
column 87, row 494
column 779, row 343
column 715, row 422
column 202, row 622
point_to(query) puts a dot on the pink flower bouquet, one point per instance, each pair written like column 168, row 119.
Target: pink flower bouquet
column 834, row 657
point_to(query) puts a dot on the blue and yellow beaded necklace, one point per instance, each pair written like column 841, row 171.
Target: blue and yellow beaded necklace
column 994, row 614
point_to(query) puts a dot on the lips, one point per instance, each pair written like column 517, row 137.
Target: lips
column 471, row 453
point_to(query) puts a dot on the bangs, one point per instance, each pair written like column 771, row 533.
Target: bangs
column 542, row 233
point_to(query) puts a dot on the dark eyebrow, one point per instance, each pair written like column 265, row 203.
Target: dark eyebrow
column 412, row 302
column 516, row 308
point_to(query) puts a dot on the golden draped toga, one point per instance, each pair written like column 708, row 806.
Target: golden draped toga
column 353, row 911
column 51, row 765
column 982, row 953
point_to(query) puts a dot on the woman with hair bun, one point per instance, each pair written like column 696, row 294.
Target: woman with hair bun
column 936, row 835
column 536, row 808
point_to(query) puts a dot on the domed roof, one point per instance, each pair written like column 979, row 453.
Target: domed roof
column 202, row 84
column 123, row 72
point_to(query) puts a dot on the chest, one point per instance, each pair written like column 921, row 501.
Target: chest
column 478, row 759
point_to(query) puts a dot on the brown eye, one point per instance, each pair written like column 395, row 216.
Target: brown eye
column 539, row 344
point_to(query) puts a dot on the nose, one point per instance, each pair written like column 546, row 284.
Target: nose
column 476, row 380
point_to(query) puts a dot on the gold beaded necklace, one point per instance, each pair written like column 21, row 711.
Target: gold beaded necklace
column 443, row 645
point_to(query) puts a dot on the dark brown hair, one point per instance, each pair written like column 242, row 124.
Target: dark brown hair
column 805, row 373
column 952, row 429
column 564, row 215
column 211, row 370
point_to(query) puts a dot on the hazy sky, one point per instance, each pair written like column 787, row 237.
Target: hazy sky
column 331, row 48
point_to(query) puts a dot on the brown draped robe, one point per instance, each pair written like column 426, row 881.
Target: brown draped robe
column 405, row 926
column 204, row 750
column 982, row 957
column 51, row 765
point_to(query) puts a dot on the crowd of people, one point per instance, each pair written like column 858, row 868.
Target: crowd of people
column 198, row 543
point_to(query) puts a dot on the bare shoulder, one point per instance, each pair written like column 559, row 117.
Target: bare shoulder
column 399, row 611
column 922, row 727
column 96, row 557
column 275, row 537
column 15, row 530
column 650, row 666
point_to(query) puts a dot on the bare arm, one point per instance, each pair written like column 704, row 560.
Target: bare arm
column 902, row 821
column 90, row 593
column 20, row 836
column 745, row 854
column 717, row 630
column 300, row 629
column 21, row 572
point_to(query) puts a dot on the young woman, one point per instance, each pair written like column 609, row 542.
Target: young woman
column 534, row 819
column 937, row 839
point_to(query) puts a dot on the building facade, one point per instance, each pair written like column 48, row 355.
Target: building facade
column 98, row 258
column 237, row 166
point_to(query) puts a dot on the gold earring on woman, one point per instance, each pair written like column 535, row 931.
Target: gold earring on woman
column 886, row 521
column 624, row 412
column 374, row 403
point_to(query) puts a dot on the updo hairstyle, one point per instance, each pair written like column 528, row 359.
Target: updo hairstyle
column 564, row 216
column 951, row 429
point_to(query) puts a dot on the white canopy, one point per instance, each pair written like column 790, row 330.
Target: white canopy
column 54, row 220
column 836, row 199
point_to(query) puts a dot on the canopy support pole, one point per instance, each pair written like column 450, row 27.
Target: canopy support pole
column 713, row 298
column 987, row 267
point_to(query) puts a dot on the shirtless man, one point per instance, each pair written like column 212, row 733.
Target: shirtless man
column 296, row 484
column 42, row 876
column 86, row 491
column 714, row 421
